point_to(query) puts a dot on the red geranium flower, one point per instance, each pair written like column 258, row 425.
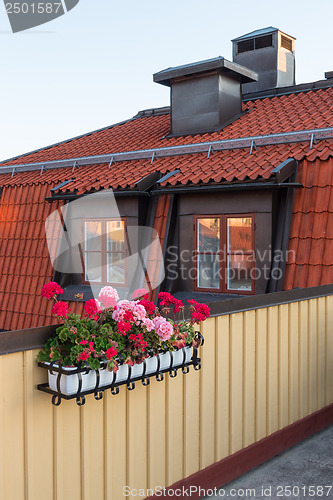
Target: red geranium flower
column 111, row 352
column 84, row 356
column 51, row 290
column 61, row 309
column 124, row 327
column 167, row 300
column 200, row 311
column 92, row 308
column 148, row 305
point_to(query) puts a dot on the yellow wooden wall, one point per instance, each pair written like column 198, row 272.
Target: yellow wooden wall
column 262, row 370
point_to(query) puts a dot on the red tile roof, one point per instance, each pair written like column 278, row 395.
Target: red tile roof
column 25, row 263
column 23, row 252
column 310, row 261
column 286, row 113
column 221, row 166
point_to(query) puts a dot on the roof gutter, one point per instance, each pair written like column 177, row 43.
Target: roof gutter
column 73, row 196
column 226, row 187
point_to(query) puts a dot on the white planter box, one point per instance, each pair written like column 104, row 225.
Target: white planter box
column 69, row 383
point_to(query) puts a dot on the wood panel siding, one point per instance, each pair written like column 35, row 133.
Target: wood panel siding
column 262, row 370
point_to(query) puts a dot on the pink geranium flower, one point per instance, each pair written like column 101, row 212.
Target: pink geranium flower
column 107, row 302
column 140, row 293
column 108, row 291
column 163, row 328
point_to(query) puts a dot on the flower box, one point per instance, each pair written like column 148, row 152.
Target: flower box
column 75, row 382
column 118, row 342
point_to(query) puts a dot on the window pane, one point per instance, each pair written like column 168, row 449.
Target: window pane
column 115, row 268
column 208, row 271
column 92, row 237
column 93, row 266
column 115, row 236
column 239, row 273
column 239, row 234
column 208, row 235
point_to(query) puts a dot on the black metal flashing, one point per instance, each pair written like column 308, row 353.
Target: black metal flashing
column 167, row 176
column 225, row 187
column 73, row 196
column 165, row 110
column 292, row 89
column 242, row 304
column 63, row 184
column 260, row 32
column 235, row 71
column 285, row 170
column 148, row 181
column 25, row 340
column 281, row 233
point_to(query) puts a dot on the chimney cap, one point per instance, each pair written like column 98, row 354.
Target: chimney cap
column 263, row 31
column 328, row 75
column 234, row 70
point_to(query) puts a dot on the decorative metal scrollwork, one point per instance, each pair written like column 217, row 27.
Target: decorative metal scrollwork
column 172, row 366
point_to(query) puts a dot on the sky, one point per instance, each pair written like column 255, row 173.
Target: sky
column 93, row 66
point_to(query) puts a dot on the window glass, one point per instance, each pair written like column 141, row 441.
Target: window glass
column 225, row 254
column 115, row 268
column 93, row 266
column 104, row 251
column 115, row 236
column 239, row 244
column 208, row 235
column 239, row 234
column 239, row 272
column 208, row 271
column 93, row 231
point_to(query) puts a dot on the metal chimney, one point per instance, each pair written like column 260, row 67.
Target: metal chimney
column 269, row 52
column 205, row 95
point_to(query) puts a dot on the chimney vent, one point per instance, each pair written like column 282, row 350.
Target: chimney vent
column 269, row 52
column 205, row 95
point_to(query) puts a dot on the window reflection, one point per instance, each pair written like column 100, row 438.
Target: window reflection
column 224, row 250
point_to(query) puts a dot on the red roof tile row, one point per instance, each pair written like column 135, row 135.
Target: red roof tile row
column 310, row 259
column 24, row 257
column 223, row 166
column 286, row 113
